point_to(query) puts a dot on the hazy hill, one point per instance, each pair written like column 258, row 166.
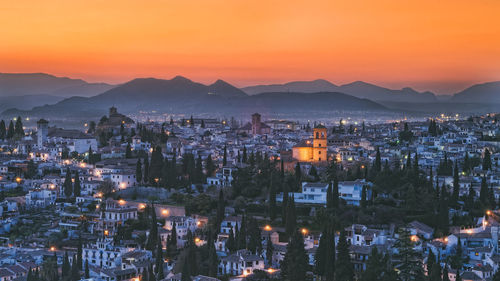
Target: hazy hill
column 314, row 86
column 27, row 102
column 182, row 95
column 30, row 84
column 357, row 89
column 479, row 93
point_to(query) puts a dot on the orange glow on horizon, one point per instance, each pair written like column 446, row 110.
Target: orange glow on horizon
column 430, row 45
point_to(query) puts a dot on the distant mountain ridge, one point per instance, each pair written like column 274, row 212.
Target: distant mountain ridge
column 357, row 89
column 479, row 93
column 183, row 95
column 31, row 84
column 27, row 95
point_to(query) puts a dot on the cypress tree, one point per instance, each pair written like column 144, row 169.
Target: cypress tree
column 90, row 156
column 269, row 252
column 66, row 267
column 483, row 193
column 151, row 274
column 10, row 130
column 159, row 261
column 145, row 175
column 487, row 160
column 377, row 166
column 272, row 200
column 298, row 173
column 456, row 184
column 128, row 151
column 445, row 274
column 213, row 261
column 284, row 204
column 408, row 162
column 363, row 197
column 231, row 243
column 18, row 129
column 199, row 170
column 374, row 267
column 295, row 264
column 3, row 130
column 153, row 231
column 79, row 255
column 68, row 184
column 138, row 171
column 329, row 196
column 224, row 159
column 291, row 218
column 242, row 235
column 344, row 267
column 191, row 254
column 87, row 271
column 209, row 166
column 244, row 157
column 75, row 272
column 77, row 188
column 186, row 275
column 221, row 206
column 335, row 193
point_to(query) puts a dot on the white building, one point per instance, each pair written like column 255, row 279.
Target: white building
column 243, row 262
column 315, row 193
column 40, row 198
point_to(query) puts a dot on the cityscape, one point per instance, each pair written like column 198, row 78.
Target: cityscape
column 253, row 164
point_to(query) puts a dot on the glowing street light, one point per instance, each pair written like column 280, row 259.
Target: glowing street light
column 164, row 212
column 304, row 231
column 268, row 228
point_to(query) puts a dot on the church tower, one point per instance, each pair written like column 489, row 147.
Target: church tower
column 320, row 144
column 42, row 128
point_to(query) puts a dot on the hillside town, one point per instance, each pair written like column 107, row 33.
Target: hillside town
column 207, row 199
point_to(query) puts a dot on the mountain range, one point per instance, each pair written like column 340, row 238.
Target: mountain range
column 30, row 84
column 181, row 95
column 357, row 89
column 42, row 95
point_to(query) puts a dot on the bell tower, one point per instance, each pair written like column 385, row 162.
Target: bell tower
column 320, row 144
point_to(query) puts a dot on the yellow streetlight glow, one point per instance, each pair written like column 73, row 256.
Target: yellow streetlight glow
column 268, row 228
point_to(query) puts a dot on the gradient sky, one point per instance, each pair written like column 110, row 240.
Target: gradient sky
column 438, row 45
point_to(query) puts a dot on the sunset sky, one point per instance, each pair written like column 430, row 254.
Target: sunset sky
column 443, row 45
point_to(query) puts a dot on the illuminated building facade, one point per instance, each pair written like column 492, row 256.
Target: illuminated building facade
column 314, row 150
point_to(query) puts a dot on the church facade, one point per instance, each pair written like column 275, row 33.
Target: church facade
column 312, row 150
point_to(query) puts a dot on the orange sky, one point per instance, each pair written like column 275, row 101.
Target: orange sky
column 439, row 45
